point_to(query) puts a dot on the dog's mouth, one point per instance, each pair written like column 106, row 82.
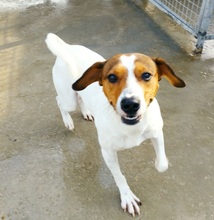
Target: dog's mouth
column 130, row 120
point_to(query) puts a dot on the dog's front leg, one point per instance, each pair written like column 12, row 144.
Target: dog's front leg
column 128, row 200
column 161, row 162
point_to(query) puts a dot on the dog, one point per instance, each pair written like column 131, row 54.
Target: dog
column 119, row 95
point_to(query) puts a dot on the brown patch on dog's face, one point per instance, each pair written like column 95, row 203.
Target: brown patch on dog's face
column 147, row 76
column 114, row 79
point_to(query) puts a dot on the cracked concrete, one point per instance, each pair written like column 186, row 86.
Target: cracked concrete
column 47, row 172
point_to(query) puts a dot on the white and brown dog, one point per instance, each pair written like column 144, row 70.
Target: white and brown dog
column 119, row 95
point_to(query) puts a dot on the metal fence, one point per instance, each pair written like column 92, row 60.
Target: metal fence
column 196, row 16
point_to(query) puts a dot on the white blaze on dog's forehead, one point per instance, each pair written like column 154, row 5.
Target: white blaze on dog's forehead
column 132, row 88
column 129, row 63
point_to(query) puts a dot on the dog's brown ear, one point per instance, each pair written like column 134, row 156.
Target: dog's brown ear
column 165, row 70
column 92, row 74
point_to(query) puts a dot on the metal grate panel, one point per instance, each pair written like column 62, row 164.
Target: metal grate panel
column 196, row 16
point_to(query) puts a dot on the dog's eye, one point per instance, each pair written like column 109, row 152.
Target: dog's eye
column 112, row 78
column 146, row 76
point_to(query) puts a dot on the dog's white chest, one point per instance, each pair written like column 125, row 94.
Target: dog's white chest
column 113, row 133
column 129, row 141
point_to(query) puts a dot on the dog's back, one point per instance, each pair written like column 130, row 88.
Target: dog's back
column 71, row 55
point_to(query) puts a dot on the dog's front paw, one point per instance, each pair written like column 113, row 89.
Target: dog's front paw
column 161, row 165
column 130, row 202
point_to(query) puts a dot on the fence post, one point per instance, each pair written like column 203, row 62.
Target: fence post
column 204, row 20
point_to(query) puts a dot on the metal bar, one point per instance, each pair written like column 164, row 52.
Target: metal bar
column 203, row 24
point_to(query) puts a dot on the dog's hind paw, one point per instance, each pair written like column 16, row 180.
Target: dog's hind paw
column 85, row 113
column 87, row 116
column 130, row 202
column 68, row 122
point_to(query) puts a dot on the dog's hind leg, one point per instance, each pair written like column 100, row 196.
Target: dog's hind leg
column 65, row 114
column 66, row 96
column 85, row 112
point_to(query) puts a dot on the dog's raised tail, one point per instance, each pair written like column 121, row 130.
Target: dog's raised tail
column 56, row 46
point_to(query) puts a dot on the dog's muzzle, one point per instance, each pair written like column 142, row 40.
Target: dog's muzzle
column 130, row 106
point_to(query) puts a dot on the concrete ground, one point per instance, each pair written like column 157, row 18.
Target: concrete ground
column 47, row 172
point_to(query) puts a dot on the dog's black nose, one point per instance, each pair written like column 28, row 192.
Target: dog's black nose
column 130, row 105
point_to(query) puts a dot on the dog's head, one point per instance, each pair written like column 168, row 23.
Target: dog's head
column 130, row 82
